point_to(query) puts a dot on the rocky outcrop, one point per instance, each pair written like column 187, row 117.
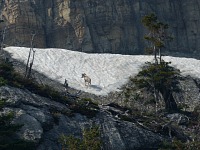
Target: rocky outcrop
column 190, row 93
column 44, row 121
column 112, row 26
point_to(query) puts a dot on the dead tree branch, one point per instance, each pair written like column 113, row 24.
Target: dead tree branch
column 28, row 69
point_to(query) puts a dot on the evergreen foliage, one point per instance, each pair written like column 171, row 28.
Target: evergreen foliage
column 157, row 35
column 10, row 77
column 178, row 145
column 2, row 81
column 8, row 139
column 90, row 141
column 160, row 78
column 6, row 70
column 81, row 107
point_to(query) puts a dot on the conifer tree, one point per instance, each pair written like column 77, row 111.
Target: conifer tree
column 157, row 35
column 160, row 78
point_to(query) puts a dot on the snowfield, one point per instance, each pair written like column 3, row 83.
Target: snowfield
column 107, row 71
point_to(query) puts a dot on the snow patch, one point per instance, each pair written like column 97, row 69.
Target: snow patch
column 107, row 71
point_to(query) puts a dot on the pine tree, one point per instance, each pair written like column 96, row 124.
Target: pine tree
column 157, row 35
column 160, row 78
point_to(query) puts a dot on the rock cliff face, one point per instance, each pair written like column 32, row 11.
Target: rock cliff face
column 112, row 26
column 43, row 123
column 45, row 120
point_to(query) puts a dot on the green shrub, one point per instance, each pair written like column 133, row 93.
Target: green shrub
column 10, row 77
column 2, row 81
column 183, row 106
column 91, row 138
column 160, row 78
column 178, row 145
column 90, row 112
column 90, row 141
column 42, row 90
column 149, row 102
column 2, row 103
column 56, row 115
column 70, row 142
column 88, row 100
column 8, row 131
column 6, row 70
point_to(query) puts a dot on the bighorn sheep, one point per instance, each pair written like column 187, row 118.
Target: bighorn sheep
column 87, row 79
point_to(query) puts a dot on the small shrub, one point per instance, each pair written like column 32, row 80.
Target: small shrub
column 42, row 90
column 150, row 102
column 166, row 146
column 178, row 145
column 91, row 138
column 89, row 100
column 2, row 81
column 70, row 142
column 56, row 116
column 2, row 103
column 90, row 141
column 6, row 70
column 183, row 106
column 90, row 112
column 7, row 133
column 10, row 77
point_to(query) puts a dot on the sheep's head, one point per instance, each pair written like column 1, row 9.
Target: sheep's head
column 83, row 75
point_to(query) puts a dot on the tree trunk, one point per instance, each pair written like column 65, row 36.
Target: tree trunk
column 29, row 55
column 155, row 55
column 160, row 56
column 156, row 98
column 170, row 103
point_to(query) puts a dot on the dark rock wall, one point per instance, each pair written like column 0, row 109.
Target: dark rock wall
column 112, row 26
